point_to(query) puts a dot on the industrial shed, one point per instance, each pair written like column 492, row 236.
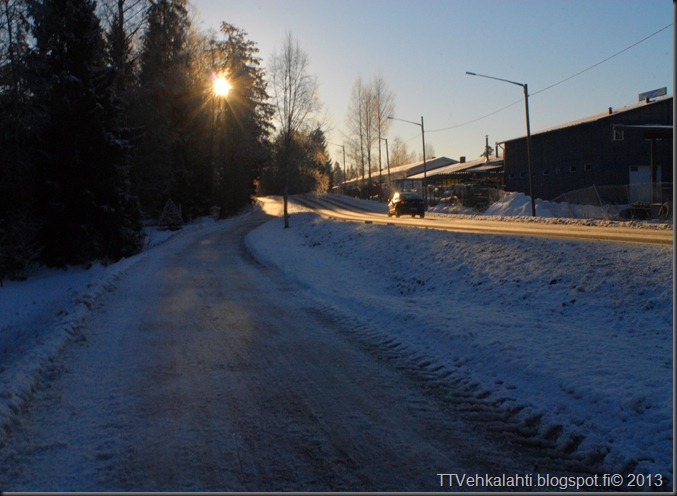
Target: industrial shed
column 409, row 177
column 629, row 148
column 478, row 176
column 396, row 178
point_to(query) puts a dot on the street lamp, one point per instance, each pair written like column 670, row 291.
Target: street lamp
column 425, row 167
column 344, row 165
column 526, row 105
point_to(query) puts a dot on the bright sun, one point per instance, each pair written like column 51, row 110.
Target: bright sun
column 221, row 86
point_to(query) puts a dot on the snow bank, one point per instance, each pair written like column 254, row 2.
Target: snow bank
column 516, row 207
column 519, row 204
column 572, row 338
column 40, row 315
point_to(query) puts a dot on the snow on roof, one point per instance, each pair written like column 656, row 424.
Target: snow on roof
column 415, row 167
column 596, row 117
column 476, row 165
column 406, row 171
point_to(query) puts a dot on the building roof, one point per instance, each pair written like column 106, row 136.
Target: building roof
column 407, row 170
column 477, row 165
column 596, row 117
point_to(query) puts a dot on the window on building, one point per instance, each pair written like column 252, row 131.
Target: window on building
column 587, row 167
column 546, row 172
column 558, row 171
column 617, row 134
column 572, row 168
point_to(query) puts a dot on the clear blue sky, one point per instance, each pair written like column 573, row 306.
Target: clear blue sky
column 424, row 47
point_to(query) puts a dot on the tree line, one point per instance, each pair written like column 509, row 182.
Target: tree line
column 108, row 113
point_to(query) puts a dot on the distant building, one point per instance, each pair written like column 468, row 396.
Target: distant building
column 385, row 183
column 481, row 170
column 630, row 146
column 409, row 177
column 475, row 183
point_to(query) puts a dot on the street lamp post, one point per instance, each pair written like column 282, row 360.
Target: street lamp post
column 526, row 106
column 344, row 166
column 425, row 167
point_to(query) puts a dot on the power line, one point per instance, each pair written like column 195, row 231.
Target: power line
column 601, row 62
column 477, row 119
column 555, row 84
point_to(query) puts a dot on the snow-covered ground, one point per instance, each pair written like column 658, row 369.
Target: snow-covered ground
column 573, row 337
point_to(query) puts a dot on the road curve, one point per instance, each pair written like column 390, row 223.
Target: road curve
column 335, row 207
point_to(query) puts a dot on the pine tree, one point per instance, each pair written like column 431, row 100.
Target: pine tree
column 123, row 20
column 17, row 116
column 166, row 107
column 84, row 204
column 242, row 125
column 309, row 168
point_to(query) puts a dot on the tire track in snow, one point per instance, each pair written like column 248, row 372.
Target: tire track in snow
column 497, row 417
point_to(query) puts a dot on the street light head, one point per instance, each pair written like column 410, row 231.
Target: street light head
column 470, row 73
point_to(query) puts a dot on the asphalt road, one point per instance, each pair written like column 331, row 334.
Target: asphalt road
column 334, row 206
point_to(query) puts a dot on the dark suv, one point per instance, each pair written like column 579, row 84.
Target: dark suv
column 406, row 203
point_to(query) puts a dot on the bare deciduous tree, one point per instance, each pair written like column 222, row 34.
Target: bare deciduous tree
column 14, row 44
column 399, row 153
column 355, row 121
column 295, row 99
column 367, row 120
column 384, row 104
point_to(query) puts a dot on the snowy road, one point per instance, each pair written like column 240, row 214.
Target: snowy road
column 240, row 356
column 339, row 207
column 207, row 371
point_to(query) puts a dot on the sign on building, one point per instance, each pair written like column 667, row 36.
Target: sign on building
column 648, row 95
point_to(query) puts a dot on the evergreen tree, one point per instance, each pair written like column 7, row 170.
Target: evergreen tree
column 17, row 117
column 84, row 203
column 124, row 20
column 167, row 108
column 242, row 119
column 309, row 166
column 318, row 161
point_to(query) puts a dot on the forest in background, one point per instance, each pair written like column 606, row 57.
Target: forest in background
column 108, row 116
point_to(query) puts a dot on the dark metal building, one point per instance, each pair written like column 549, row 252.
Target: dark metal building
column 631, row 146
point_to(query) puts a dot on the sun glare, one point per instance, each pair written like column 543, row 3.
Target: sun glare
column 221, row 86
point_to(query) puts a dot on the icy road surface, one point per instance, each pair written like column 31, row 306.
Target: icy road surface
column 207, row 371
column 240, row 356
